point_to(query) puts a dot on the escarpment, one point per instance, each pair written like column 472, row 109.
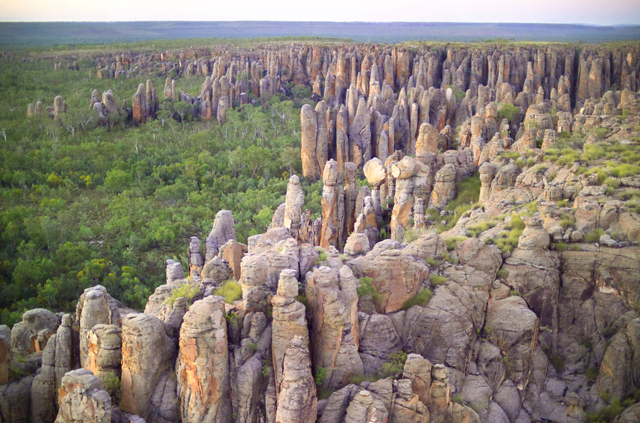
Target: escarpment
column 474, row 256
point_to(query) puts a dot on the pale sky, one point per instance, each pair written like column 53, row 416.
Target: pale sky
column 598, row 12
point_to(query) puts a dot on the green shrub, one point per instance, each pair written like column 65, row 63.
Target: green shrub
column 231, row 317
column 422, row 298
column 568, row 221
column 18, row 372
column 508, row 111
column 230, row 291
column 563, row 203
column 303, row 299
column 321, row 375
column 253, row 347
column 515, row 293
column 601, row 175
column 113, row 387
column 593, row 236
column 502, row 274
column 395, row 365
column 561, row 246
column 437, row 280
column 592, row 373
column 606, row 414
column 185, row 290
column 557, row 362
column 602, row 133
column 322, row 256
column 366, row 288
column 457, row 398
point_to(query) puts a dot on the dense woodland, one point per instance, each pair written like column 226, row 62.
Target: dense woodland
column 85, row 203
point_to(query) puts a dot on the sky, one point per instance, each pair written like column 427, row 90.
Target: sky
column 595, row 12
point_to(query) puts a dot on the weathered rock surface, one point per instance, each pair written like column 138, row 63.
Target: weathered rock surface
column 148, row 374
column 297, row 401
column 82, row 399
column 203, row 365
column 335, row 329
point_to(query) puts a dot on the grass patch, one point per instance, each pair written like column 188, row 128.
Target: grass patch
column 568, row 156
column 325, row 393
column 514, row 293
column 625, row 170
column 593, row 236
column 437, row 280
column 412, row 234
column 457, row 398
column 322, row 256
column 508, row 240
column 612, row 182
column 433, row 262
column 422, row 298
column 601, row 175
column 592, row 152
column 453, row 242
column 568, row 221
column 230, row 291
column 477, row 229
column 185, row 290
column 358, row 379
column 561, row 246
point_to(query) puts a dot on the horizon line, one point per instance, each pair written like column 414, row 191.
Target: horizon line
column 335, row 22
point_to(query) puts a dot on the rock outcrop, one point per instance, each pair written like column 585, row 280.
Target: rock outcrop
column 148, row 373
column 203, row 365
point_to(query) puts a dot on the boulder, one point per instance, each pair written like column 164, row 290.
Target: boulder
column 396, row 276
column 31, row 334
column 82, row 399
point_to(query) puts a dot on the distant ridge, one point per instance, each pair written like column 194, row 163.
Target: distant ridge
column 43, row 34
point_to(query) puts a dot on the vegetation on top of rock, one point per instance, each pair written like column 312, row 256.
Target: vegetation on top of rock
column 421, row 299
column 394, row 365
column 231, row 290
column 186, row 290
column 366, row 288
